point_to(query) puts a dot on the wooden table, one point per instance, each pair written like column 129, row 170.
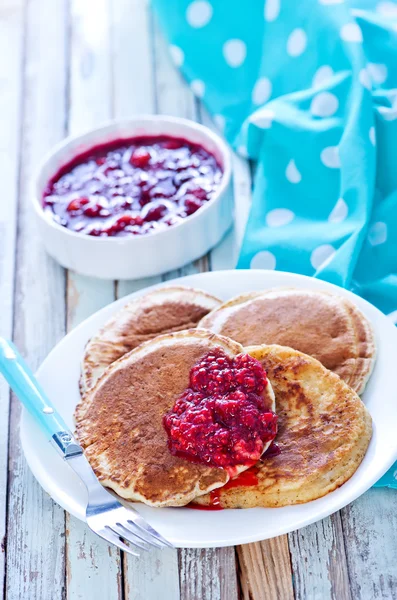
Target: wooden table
column 65, row 66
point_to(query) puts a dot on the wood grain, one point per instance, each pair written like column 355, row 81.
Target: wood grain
column 208, row 574
column 115, row 63
column 36, row 526
column 11, row 30
column 225, row 254
column 132, row 44
column 132, row 68
column 319, row 561
column 152, row 576
column 370, row 526
column 93, row 568
column 265, row 570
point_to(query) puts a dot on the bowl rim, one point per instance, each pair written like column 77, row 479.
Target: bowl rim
column 119, row 124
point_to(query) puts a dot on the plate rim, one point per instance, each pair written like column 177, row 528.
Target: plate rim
column 252, row 537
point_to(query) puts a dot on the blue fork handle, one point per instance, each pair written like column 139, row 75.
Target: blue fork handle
column 27, row 388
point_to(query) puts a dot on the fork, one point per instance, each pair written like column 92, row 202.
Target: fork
column 105, row 516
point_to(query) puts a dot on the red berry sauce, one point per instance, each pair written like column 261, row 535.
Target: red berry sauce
column 132, row 187
column 221, row 420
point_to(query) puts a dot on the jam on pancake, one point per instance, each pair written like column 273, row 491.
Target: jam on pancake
column 247, row 478
column 221, row 419
column 132, row 187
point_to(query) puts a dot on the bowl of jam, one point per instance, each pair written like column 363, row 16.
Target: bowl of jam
column 135, row 198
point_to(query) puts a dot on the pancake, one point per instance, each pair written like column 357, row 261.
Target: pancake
column 120, row 421
column 323, row 433
column 325, row 326
column 163, row 311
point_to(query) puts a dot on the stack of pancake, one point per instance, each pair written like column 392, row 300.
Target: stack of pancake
column 318, row 352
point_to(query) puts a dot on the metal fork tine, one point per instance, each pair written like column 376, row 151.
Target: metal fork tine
column 114, row 538
column 129, row 536
column 137, row 520
column 142, row 535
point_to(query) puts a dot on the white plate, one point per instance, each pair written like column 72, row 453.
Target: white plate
column 59, row 376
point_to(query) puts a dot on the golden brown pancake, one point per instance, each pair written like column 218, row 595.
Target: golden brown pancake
column 325, row 326
column 120, row 421
column 163, row 311
column 323, row 433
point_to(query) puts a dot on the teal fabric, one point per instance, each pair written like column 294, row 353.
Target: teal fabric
column 308, row 90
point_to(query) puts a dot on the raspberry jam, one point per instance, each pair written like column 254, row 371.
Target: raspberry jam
column 132, row 187
column 221, row 420
column 247, row 478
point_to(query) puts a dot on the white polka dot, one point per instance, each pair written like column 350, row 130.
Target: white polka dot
column 324, row 104
column 377, row 233
column 331, row 1
column 199, row 13
column 263, row 118
column 263, row 260
column 322, row 76
column 321, row 256
column 177, row 55
column 351, row 32
column 279, row 217
column 234, row 52
column 372, row 135
column 339, row 212
column 296, row 42
column 198, row 87
column 242, row 150
column 389, row 113
column 262, row 91
column 292, row 173
column 272, row 9
column 365, row 79
column 220, row 122
column 387, row 9
column 330, row 157
column 377, row 72
column 393, row 317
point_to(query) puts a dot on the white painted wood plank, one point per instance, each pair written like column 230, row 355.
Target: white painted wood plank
column 132, row 67
column 131, row 286
column 133, row 80
column 153, row 576
column 173, row 98
column 208, row 574
column 85, row 296
column 90, row 66
column 225, row 254
column 173, row 95
column 370, row 530
column 93, row 567
column 11, row 30
column 319, row 561
column 36, row 526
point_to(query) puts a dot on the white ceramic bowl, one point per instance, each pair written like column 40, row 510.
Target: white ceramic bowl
column 137, row 256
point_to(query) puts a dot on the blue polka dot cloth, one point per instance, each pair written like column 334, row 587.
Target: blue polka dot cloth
column 307, row 90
